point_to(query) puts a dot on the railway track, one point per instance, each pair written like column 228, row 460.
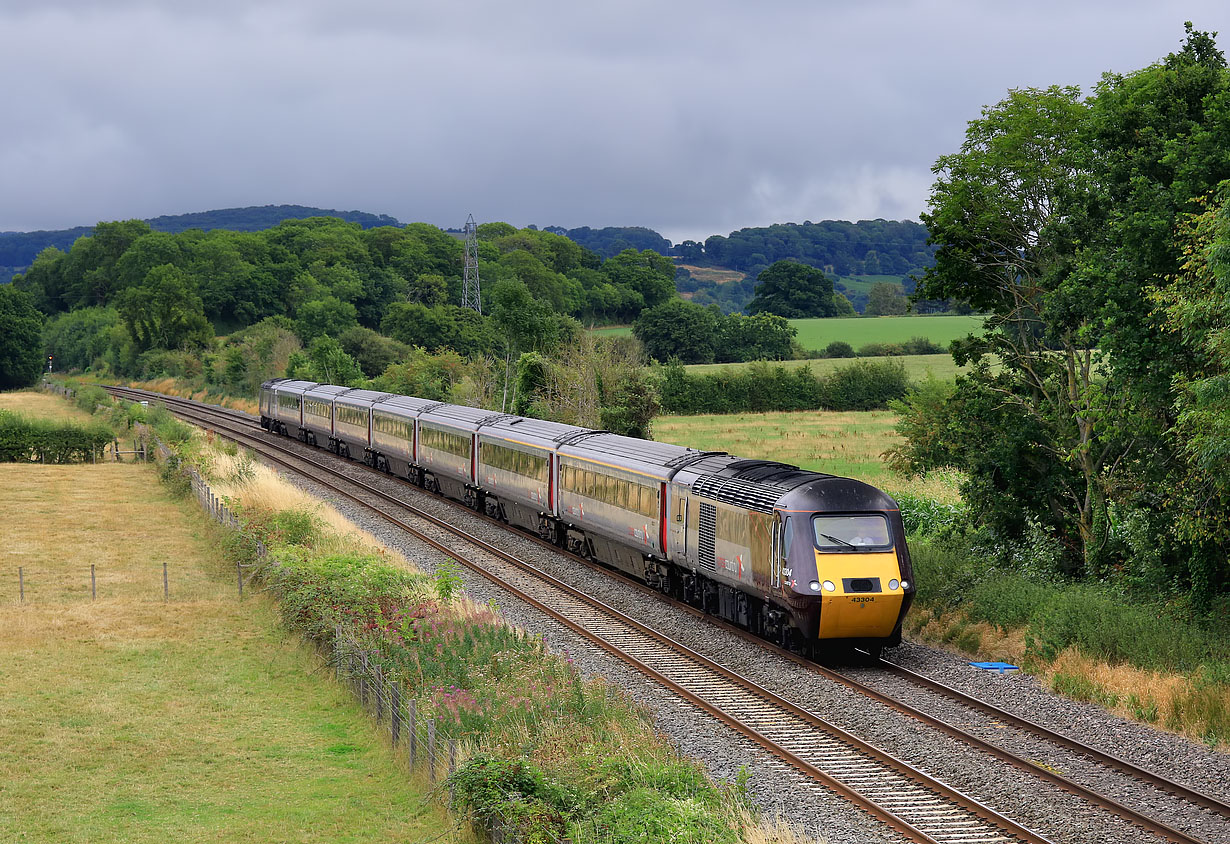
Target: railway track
column 902, row 796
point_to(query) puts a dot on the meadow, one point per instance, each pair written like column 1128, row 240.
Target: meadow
column 858, row 331
column 132, row 719
column 815, row 334
column 850, row 444
column 917, row 367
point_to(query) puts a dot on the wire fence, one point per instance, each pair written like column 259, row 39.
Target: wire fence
column 429, row 748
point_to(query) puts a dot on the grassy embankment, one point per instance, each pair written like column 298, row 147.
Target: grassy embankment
column 587, row 761
column 1163, row 663
column 130, row 719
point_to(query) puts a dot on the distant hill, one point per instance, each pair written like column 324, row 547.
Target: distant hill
column 18, row 249
column 610, row 241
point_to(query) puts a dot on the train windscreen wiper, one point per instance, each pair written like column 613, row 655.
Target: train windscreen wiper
column 835, row 539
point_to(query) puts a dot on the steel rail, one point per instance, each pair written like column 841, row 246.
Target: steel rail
column 931, row 814
column 1105, row 759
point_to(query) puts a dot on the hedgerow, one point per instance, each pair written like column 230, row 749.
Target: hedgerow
column 863, row 385
column 43, row 441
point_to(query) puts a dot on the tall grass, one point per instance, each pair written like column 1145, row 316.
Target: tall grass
column 1154, row 661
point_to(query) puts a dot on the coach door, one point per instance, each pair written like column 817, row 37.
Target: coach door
column 780, row 548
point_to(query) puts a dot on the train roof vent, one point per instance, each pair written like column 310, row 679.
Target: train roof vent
column 574, row 437
column 783, row 475
column 737, row 491
column 689, row 458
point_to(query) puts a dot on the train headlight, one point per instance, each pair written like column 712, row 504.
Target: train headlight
column 892, row 585
column 905, row 584
column 828, row 586
column 814, row 586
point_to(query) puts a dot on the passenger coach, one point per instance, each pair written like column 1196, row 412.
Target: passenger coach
column 801, row 558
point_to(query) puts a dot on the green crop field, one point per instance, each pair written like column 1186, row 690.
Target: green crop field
column 917, row 367
column 858, row 331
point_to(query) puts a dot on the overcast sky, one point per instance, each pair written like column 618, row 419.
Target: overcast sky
column 692, row 118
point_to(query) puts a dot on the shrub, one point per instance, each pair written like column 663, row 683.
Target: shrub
column 839, row 349
column 865, row 385
column 877, row 350
column 928, row 517
column 39, row 440
column 921, row 346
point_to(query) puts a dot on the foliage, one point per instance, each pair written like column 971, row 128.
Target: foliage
column 678, row 330
column 863, row 385
column 1057, row 217
column 21, row 348
column 839, row 349
column 77, row 340
column 793, row 290
column 325, row 362
column 885, row 300
column 44, row 441
column 867, row 247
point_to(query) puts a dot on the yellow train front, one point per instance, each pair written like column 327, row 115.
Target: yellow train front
column 806, row 560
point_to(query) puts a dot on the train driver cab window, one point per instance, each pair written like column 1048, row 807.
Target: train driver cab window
column 851, row 533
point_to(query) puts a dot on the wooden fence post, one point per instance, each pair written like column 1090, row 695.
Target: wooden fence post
column 452, row 756
column 414, row 734
column 93, row 585
column 363, row 680
column 337, row 651
column 394, row 712
column 21, row 584
column 239, row 574
column 431, row 749
column 378, row 673
column 166, row 583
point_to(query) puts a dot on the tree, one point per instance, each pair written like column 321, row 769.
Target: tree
column 21, row 342
column 679, row 330
column 164, row 312
column 756, row 337
column 328, row 315
column 885, row 300
column 1008, row 213
column 645, row 272
column 326, row 362
column 794, row 291
column 78, row 338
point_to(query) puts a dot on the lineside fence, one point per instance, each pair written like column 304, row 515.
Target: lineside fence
column 429, row 747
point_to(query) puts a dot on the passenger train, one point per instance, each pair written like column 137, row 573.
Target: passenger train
column 800, row 558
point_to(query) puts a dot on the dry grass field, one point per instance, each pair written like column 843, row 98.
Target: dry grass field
column 849, row 444
column 41, row 405
column 131, row 719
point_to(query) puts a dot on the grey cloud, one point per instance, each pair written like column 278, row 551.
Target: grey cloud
column 693, row 118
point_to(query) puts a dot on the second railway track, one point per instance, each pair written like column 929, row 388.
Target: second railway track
column 919, row 808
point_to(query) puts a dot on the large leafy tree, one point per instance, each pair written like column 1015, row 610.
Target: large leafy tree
column 21, row 342
column 165, row 312
column 794, row 291
column 678, row 330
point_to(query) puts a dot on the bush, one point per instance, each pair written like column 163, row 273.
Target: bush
column 839, row 349
column 921, row 346
column 877, row 350
column 864, row 385
column 928, row 517
column 38, row 440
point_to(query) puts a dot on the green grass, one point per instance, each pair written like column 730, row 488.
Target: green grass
column 128, row 719
column 849, row 444
column 858, row 331
column 917, row 367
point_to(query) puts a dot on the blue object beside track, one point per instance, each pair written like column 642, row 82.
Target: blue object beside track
column 1001, row 667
